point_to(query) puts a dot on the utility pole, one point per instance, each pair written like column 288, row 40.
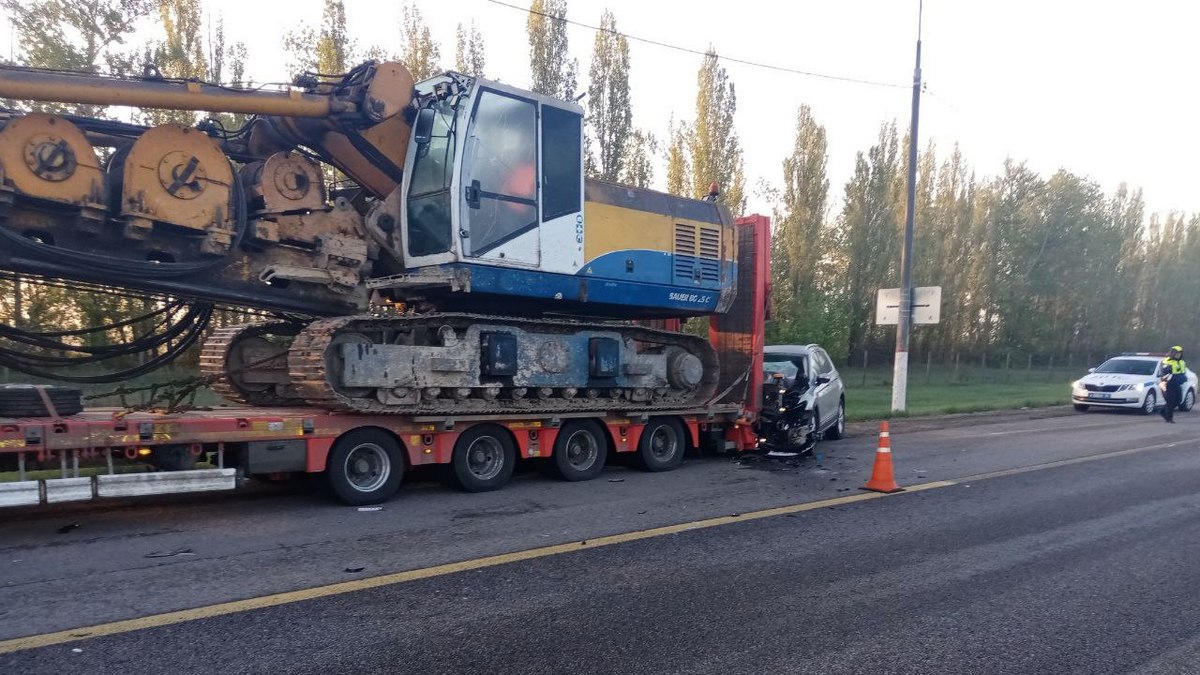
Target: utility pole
column 904, row 325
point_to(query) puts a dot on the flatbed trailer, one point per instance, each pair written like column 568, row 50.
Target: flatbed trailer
column 364, row 457
column 370, row 452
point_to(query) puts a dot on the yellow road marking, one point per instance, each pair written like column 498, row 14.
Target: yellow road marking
column 274, row 600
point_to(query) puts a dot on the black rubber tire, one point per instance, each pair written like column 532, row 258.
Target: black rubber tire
column 1152, row 398
column 662, row 445
column 497, row 444
column 172, row 458
column 1187, row 403
column 573, row 433
column 357, row 490
column 1079, row 407
column 838, row 428
column 23, row 400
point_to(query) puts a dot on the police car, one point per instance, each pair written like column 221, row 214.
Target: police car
column 1128, row 381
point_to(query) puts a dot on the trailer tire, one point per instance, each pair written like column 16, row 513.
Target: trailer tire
column 662, row 445
column 580, row 451
column 23, row 400
column 365, row 466
column 483, row 460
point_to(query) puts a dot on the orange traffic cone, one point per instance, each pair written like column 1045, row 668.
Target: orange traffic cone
column 882, row 478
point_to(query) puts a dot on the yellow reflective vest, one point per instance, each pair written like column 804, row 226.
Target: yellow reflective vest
column 1174, row 367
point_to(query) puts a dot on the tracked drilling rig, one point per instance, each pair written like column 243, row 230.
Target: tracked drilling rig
column 471, row 267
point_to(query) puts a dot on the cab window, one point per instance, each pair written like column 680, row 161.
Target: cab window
column 562, row 163
column 429, row 228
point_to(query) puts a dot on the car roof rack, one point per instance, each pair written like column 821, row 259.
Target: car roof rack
column 1143, row 354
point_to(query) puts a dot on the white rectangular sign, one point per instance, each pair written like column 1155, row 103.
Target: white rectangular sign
column 927, row 305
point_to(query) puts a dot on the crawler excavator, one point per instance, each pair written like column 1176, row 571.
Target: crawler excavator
column 472, row 266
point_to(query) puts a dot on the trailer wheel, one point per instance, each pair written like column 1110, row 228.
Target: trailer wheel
column 662, row 445
column 23, row 400
column 579, row 451
column 484, row 458
column 365, row 467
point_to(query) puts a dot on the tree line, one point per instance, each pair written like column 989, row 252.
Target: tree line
column 1047, row 265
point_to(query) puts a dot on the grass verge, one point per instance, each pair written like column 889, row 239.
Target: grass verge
column 938, row 398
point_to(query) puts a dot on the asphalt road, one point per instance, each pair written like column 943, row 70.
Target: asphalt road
column 1064, row 544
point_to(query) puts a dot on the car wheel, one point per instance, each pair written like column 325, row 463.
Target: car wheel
column 1079, row 407
column 838, row 429
column 1189, row 401
column 1150, row 404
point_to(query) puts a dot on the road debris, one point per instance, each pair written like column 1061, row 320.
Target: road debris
column 67, row 528
column 355, row 570
column 170, row 554
column 616, row 480
column 369, row 509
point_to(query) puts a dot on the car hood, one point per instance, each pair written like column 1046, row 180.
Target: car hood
column 1115, row 378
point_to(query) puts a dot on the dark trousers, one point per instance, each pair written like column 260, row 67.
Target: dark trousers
column 1174, row 396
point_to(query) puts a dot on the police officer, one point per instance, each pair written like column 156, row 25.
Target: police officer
column 1173, row 372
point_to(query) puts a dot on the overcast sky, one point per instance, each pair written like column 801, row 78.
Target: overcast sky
column 1099, row 87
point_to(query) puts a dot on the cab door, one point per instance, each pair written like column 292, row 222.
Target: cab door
column 499, row 208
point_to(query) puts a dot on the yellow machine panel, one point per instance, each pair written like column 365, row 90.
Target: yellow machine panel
column 178, row 176
column 47, row 157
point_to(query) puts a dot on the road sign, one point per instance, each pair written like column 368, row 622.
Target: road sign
column 927, row 305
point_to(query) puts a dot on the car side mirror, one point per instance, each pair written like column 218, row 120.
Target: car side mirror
column 1091, row 370
column 822, row 380
column 423, row 131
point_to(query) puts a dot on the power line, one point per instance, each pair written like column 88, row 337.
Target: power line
column 689, row 50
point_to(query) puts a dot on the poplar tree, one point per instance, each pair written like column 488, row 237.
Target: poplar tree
column 714, row 148
column 610, row 116
column 420, row 53
column 327, row 49
column 468, row 50
column 554, row 73
column 180, row 55
column 678, row 164
column 868, row 232
column 798, row 236
column 638, row 168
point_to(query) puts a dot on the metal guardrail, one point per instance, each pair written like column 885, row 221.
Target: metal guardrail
column 61, row 490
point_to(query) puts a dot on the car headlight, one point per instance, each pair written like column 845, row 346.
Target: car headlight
column 1140, row 386
column 1077, row 384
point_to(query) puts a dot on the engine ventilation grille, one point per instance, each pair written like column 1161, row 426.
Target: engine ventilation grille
column 697, row 253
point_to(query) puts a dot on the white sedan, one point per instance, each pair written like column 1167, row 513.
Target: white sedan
column 1128, row 381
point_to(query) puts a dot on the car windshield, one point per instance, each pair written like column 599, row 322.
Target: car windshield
column 1128, row 367
column 789, row 366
